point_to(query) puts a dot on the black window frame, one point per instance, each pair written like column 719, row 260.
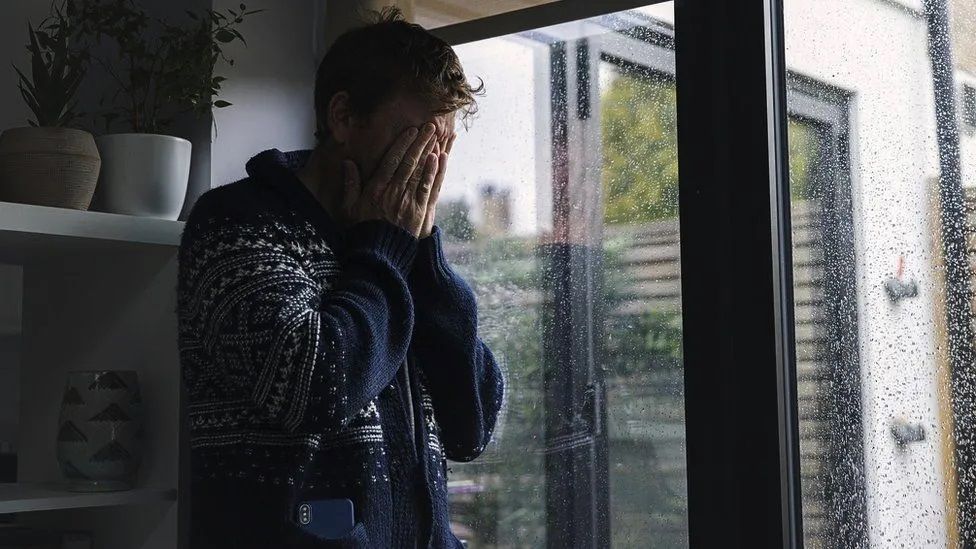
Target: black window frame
column 739, row 355
column 827, row 109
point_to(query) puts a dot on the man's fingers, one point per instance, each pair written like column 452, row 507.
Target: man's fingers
column 391, row 160
column 419, row 170
column 430, row 148
column 410, row 187
column 435, row 190
column 413, row 203
column 424, row 190
column 450, row 143
column 411, row 160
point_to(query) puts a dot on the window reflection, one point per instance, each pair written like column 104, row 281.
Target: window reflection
column 882, row 276
column 563, row 215
column 883, row 220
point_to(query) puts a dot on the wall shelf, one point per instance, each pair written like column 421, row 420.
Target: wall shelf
column 20, row 497
column 31, row 233
column 98, row 291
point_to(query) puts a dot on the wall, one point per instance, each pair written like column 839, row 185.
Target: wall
column 10, row 349
column 13, row 113
column 13, row 37
column 883, row 60
column 270, row 85
column 963, row 15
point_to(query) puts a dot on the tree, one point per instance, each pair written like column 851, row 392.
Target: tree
column 640, row 149
column 805, row 151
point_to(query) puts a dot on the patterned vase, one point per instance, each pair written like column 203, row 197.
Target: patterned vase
column 100, row 430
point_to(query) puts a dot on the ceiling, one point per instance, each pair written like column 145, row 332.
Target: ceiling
column 437, row 13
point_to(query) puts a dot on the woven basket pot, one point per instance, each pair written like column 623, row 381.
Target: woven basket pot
column 48, row 167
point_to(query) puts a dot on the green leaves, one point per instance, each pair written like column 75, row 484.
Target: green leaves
column 56, row 71
column 640, row 175
column 239, row 36
column 161, row 69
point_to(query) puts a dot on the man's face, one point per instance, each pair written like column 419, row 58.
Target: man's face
column 370, row 138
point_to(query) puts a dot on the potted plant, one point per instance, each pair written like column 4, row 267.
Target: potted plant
column 50, row 163
column 159, row 71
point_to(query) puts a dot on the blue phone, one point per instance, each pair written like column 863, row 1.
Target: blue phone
column 326, row 518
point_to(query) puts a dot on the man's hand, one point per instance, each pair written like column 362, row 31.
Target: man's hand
column 400, row 189
column 442, row 149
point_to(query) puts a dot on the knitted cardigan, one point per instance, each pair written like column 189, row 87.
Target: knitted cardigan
column 292, row 332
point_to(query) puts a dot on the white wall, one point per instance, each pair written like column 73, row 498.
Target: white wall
column 11, row 293
column 13, row 36
column 879, row 52
column 13, row 113
column 271, row 87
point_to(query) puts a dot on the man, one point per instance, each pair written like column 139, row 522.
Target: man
column 328, row 349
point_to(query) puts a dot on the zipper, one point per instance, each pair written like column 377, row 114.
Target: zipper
column 409, row 411
column 408, row 407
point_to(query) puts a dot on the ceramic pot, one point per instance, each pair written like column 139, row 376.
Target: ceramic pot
column 99, row 441
column 143, row 174
column 48, row 167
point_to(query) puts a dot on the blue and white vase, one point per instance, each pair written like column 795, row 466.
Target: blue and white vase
column 100, row 430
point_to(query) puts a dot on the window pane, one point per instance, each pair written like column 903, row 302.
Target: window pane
column 645, row 405
column 561, row 210
column 881, row 166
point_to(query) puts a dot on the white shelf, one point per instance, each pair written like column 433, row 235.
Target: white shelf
column 21, row 497
column 29, row 233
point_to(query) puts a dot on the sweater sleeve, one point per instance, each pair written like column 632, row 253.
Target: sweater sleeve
column 465, row 383
column 302, row 357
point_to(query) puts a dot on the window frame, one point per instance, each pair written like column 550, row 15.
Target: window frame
column 740, row 368
column 739, row 351
column 531, row 18
column 828, row 110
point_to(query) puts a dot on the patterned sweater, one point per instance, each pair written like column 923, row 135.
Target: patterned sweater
column 321, row 363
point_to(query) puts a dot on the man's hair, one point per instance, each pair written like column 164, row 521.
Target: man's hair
column 389, row 55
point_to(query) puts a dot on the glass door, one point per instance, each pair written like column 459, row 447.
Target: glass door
column 562, row 210
column 883, row 162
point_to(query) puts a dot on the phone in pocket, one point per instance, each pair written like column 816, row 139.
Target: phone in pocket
column 326, row 518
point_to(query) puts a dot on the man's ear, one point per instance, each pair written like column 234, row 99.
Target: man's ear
column 339, row 117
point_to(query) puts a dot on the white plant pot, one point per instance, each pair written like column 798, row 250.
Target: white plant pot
column 143, row 174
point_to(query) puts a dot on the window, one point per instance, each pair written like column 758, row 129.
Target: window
column 868, row 291
column 562, row 211
column 880, row 180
